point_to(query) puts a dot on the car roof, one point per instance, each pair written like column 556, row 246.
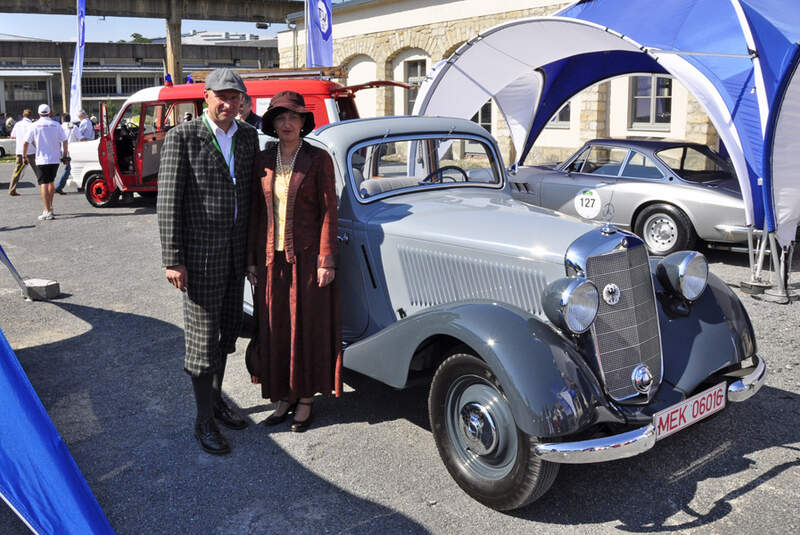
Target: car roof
column 342, row 135
column 653, row 145
column 256, row 88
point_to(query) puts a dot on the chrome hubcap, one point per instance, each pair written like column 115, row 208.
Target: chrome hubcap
column 660, row 232
column 478, row 429
column 481, row 427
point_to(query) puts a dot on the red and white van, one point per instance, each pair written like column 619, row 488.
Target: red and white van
column 126, row 156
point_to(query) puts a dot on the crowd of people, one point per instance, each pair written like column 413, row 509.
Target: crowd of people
column 227, row 209
column 43, row 145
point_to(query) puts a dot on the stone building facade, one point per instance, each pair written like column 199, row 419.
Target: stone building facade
column 403, row 40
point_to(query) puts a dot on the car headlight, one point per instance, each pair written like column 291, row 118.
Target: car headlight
column 685, row 273
column 571, row 303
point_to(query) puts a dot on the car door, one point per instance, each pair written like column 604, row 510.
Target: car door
column 586, row 184
column 151, row 138
column 636, row 184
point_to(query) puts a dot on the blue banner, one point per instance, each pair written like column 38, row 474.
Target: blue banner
column 319, row 33
column 39, row 480
column 77, row 64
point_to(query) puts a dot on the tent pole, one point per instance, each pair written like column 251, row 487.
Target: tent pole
column 761, row 249
column 750, row 254
column 779, row 295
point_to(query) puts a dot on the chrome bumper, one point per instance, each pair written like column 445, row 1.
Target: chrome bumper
column 640, row 440
column 745, row 387
column 599, row 450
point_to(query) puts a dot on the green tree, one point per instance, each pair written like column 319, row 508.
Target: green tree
column 139, row 38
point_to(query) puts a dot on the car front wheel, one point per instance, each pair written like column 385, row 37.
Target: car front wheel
column 478, row 440
column 98, row 193
column 665, row 229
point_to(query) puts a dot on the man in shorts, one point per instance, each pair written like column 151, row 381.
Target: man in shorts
column 50, row 141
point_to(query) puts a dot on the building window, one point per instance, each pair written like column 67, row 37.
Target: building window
column 415, row 75
column 561, row 117
column 651, row 102
column 99, row 86
column 484, row 116
column 132, row 84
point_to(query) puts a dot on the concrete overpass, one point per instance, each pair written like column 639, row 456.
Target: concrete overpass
column 174, row 11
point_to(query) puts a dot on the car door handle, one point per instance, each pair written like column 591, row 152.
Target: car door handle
column 343, row 237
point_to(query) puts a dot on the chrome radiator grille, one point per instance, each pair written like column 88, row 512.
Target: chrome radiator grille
column 626, row 333
column 437, row 277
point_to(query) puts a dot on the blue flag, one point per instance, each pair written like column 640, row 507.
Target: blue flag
column 319, row 38
column 39, row 480
column 77, row 64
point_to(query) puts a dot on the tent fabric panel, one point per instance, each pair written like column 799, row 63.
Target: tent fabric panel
column 565, row 78
column 706, row 94
column 518, row 103
column 38, row 476
column 784, row 143
column 673, row 25
column 460, row 88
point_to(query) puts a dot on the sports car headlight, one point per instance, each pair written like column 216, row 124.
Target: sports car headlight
column 571, row 303
column 685, row 273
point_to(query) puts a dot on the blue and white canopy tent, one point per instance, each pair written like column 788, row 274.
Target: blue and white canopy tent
column 739, row 58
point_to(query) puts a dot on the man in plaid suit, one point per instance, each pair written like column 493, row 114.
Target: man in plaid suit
column 203, row 200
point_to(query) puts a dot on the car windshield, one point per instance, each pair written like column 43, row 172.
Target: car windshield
column 411, row 164
column 696, row 164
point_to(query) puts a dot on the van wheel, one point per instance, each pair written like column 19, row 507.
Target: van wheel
column 2, row 152
column 98, row 193
column 478, row 440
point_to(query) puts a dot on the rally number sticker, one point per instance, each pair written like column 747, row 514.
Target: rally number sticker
column 588, row 203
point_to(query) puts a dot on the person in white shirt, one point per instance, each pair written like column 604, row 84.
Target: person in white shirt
column 50, row 141
column 71, row 129
column 86, row 128
column 19, row 132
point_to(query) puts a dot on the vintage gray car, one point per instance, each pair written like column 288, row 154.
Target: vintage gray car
column 668, row 192
column 549, row 340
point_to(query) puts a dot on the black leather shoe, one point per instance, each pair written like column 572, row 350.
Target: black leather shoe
column 303, row 425
column 208, row 435
column 275, row 419
column 228, row 417
column 60, row 192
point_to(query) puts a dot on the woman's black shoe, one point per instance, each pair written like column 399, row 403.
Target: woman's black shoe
column 301, row 426
column 275, row 419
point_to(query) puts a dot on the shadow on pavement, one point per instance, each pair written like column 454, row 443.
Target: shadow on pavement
column 643, row 493
column 121, row 401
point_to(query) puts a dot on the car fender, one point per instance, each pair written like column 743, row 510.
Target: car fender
column 550, row 389
column 715, row 334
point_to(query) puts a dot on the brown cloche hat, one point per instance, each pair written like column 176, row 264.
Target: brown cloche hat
column 281, row 102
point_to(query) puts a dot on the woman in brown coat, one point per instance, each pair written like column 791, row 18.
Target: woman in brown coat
column 291, row 259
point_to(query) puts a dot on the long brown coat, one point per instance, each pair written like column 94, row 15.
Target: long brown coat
column 299, row 333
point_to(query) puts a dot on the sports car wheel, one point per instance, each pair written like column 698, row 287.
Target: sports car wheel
column 478, row 440
column 98, row 193
column 665, row 229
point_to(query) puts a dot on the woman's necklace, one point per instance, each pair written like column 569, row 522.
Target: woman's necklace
column 280, row 168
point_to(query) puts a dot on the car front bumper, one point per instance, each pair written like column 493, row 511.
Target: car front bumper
column 639, row 440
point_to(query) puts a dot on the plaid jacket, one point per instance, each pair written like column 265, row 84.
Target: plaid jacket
column 196, row 204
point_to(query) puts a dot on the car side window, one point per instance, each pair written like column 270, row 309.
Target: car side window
column 640, row 166
column 414, row 164
column 604, row 160
column 577, row 163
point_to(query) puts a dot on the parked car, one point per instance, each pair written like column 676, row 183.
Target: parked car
column 668, row 192
column 549, row 340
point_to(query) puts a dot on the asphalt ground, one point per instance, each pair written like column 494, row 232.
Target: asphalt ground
column 106, row 360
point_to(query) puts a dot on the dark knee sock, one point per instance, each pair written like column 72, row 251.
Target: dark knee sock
column 204, row 396
column 216, row 384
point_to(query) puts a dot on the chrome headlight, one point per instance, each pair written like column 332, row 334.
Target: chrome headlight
column 571, row 303
column 685, row 273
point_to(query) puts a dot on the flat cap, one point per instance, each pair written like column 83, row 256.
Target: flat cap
column 225, row 79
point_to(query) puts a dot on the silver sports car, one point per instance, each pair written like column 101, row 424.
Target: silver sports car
column 669, row 193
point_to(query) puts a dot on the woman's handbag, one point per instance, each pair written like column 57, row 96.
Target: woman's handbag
column 252, row 355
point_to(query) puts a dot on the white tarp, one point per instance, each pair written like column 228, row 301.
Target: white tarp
column 785, row 171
